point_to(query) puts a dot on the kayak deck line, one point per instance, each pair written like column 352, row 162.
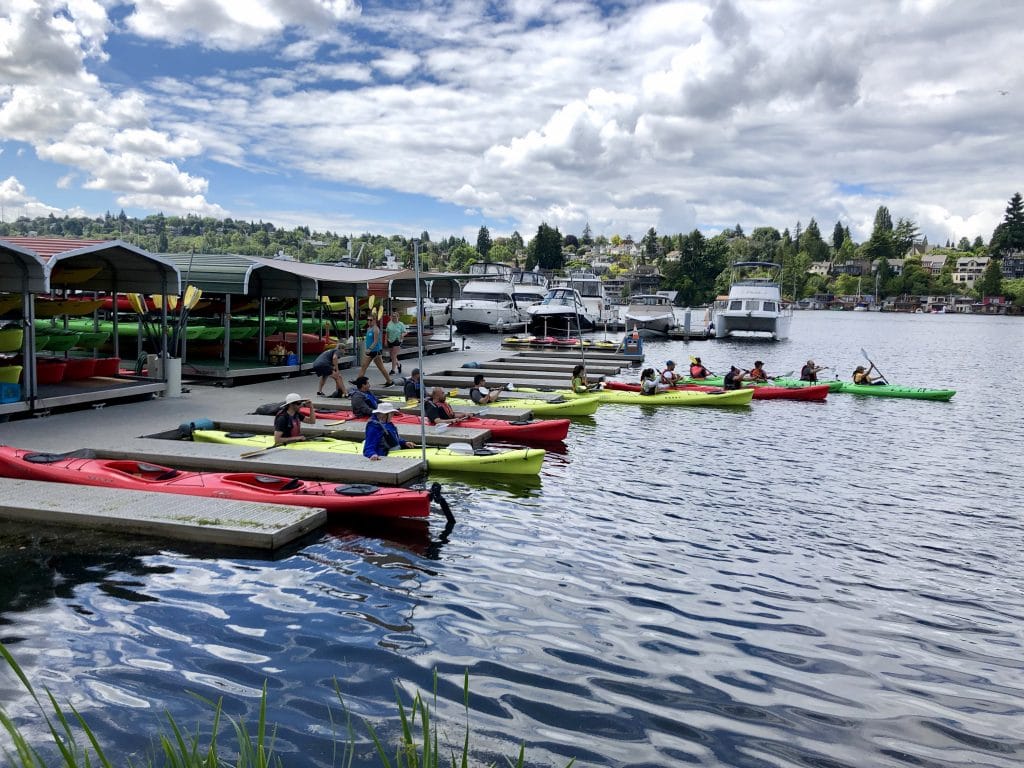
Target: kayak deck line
column 356, row 430
column 224, row 522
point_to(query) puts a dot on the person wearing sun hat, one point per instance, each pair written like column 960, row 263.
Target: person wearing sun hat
column 288, row 422
column 381, row 434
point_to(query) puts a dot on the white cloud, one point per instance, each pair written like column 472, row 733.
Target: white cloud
column 13, row 195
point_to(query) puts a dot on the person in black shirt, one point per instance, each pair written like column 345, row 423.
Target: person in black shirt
column 810, row 371
column 288, row 422
column 413, row 388
column 363, row 400
column 734, row 378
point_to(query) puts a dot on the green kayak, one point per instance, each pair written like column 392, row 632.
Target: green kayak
column 781, row 381
column 895, row 390
column 673, row 397
column 525, row 461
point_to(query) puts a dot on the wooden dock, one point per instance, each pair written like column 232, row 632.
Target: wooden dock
column 166, row 515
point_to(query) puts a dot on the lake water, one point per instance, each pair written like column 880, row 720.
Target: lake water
column 789, row 584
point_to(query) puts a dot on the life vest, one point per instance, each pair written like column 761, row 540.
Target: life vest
column 698, row 371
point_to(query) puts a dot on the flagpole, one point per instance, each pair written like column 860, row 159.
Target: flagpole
column 419, row 348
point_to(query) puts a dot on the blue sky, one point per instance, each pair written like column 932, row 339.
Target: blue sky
column 443, row 116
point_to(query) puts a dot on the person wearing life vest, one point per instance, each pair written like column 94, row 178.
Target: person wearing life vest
column 381, row 435
column 757, row 372
column 670, row 377
column 438, row 411
column 288, row 423
column 810, row 371
column 697, row 370
column 649, row 384
column 863, row 376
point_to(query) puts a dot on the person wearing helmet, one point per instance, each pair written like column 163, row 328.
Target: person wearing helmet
column 288, row 422
column 670, row 376
column 381, row 434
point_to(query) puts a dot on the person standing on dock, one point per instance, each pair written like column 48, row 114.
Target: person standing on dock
column 363, row 400
column 326, row 367
column 381, row 434
column 288, row 423
column 394, row 332
column 374, row 344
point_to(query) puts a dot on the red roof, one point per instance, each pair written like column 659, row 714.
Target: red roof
column 50, row 246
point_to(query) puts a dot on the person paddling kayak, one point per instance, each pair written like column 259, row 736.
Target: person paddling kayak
column 670, row 376
column 697, row 369
column 757, row 372
column 649, row 384
column 288, row 423
column 438, row 411
column 580, row 385
column 810, row 371
column 734, row 378
column 862, row 376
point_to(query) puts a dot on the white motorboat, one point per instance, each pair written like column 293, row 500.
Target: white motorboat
column 754, row 306
column 488, row 300
column 651, row 314
column 562, row 312
column 591, row 291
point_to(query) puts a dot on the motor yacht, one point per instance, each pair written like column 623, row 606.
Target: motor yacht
column 488, row 300
column 562, row 312
column 754, row 306
column 651, row 314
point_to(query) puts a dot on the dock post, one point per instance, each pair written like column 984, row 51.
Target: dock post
column 686, row 325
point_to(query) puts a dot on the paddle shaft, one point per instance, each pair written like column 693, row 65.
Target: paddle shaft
column 250, row 454
column 865, row 354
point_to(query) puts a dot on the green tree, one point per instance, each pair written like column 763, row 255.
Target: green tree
column 883, row 220
column 461, row 256
column 545, row 249
column 991, row 281
column 501, row 252
column 700, row 262
column 838, row 236
column 1008, row 236
column 812, row 244
column 964, row 244
column 904, row 235
column 483, row 242
column 649, row 247
column 587, row 238
column 978, row 244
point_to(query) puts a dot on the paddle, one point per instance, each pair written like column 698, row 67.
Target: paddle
column 258, row 451
column 335, row 423
column 865, row 356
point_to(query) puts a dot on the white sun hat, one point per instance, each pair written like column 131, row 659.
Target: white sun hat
column 385, row 408
column 293, row 397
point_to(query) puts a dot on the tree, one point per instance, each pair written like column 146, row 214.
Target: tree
column 500, row 252
column 649, row 250
column 838, row 236
column 978, row 244
column 883, row 220
column 904, row 236
column 964, row 244
column 991, row 281
column 545, row 249
column 1009, row 234
column 571, row 241
column 483, row 242
column 461, row 256
column 812, row 244
column 587, row 238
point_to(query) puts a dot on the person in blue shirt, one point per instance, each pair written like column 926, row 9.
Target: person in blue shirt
column 381, row 434
column 413, row 388
column 374, row 345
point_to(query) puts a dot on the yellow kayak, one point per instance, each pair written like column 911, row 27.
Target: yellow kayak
column 526, row 461
column 577, row 406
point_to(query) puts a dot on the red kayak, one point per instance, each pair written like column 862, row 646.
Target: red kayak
column 761, row 392
column 538, row 431
column 351, row 500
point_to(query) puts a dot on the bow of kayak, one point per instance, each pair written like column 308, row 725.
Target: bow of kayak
column 535, row 431
column 761, row 392
column 896, row 390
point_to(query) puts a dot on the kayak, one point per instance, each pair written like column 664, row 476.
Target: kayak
column 781, row 381
column 525, row 461
column 677, row 397
column 582, row 406
column 760, row 392
column 80, row 469
column 896, row 390
column 539, row 431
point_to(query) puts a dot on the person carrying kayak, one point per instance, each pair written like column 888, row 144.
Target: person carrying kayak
column 288, row 423
column 670, row 377
column 757, row 372
column 363, row 400
column 697, row 369
column 381, row 434
column 481, row 393
column 649, row 384
column 862, row 376
column 810, row 371
column 580, row 385
column 438, row 411
column 734, row 378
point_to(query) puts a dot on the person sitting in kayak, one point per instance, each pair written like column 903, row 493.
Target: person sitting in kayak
column 413, row 387
column 438, row 411
column 757, row 372
column 810, row 371
column 288, row 423
column 734, row 378
column 649, row 384
column 580, row 385
column 862, row 376
column 363, row 400
column 381, row 434
column 670, row 377
column 481, row 393
column 697, row 369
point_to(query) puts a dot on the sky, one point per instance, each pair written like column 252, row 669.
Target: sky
column 444, row 116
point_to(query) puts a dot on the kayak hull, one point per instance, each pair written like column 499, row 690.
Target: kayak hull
column 525, row 461
column 896, row 390
column 781, row 382
column 337, row 499
column 579, row 406
column 538, row 431
column 814, row 394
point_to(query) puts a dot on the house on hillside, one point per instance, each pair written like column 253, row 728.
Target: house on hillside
column 968, row 269
column 822, row 268
column 1013, row 265
column 934, row 264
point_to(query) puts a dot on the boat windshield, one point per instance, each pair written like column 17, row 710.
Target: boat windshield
column 486, row 296
column 561, row 297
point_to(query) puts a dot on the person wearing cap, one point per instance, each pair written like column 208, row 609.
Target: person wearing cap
column 288, row 422
column 413, row 389
column 363, row 400
column 670, row 376
column 482, row 393
column 810, row 371
column 862, row 375
column 381, row 434
column 697, row 369
column 326, row 367
column 374, row 344
column 438, row 411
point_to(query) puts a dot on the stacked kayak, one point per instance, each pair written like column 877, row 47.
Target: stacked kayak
column 582, row 406
column 538, row 431
column 761, row 392
column 355, row 500
column 525, row 461
column 896, row 390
